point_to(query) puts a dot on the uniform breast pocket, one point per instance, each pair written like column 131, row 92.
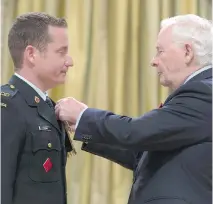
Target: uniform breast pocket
column 45, row 161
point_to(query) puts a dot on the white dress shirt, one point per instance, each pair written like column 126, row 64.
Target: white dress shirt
column 198, row 72
column 42, row 94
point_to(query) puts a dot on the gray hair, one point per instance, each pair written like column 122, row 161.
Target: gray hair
column 194, row 29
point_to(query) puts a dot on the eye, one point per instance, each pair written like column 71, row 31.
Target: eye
column 159, row 52
column 62, row 52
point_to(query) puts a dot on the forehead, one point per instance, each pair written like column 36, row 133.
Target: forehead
column 164, row 37
column 58, row 34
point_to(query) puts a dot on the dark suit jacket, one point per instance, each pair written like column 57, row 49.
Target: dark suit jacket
column 31, row 136
column 169, row 149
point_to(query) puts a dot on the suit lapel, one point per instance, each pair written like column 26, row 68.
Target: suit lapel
column 46, row 113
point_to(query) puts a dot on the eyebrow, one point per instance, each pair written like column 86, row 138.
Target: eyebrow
column 65, row 48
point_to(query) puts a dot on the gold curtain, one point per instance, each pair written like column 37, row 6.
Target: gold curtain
column 112, row 43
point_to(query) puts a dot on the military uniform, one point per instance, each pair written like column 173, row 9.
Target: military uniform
column 34, row 148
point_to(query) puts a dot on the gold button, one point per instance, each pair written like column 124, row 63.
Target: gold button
column 49, row 145
column 12, row 87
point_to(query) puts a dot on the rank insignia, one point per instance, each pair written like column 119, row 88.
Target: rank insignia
column 5, row 94
column 3, row 105
column 37, row 99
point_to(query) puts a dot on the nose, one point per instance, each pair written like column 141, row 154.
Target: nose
column 154, row 62
column 69, row 62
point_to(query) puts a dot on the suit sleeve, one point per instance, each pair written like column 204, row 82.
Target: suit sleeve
column 184, row 120
column 12, row 136
column 123, row 157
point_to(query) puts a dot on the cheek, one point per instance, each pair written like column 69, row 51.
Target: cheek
column 164, row 63
column 52, row 66
column 171, row 62
column 58, row 63
column 55, row 65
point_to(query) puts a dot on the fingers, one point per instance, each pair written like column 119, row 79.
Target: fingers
column 68, row 109
column 72, row 127
column 64, row 100
column 62, row 108
column 57, row 109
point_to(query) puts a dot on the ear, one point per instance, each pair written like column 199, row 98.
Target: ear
column 30, row 54
column 189, row 53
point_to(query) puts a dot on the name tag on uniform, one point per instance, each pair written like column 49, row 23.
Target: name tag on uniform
column 44, row 128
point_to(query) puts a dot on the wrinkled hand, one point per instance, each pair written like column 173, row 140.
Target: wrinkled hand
column 69, row 109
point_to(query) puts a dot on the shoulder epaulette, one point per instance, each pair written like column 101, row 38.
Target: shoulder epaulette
column 8, row 91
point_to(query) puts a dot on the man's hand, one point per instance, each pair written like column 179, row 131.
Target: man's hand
column 69, row 109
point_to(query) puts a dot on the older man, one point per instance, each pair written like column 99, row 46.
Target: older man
column 169, row 149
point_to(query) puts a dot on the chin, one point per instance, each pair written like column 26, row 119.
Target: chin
column 61, row 82
column 62, row 79
column 163, row 82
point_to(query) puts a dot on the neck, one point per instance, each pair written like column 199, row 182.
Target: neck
column 181, row 78
column 31, row 77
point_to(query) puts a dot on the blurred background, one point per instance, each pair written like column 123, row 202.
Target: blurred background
column 111, row 43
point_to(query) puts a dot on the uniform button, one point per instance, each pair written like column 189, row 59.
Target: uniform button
column 49, row 145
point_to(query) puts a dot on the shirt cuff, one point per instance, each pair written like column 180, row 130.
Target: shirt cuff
column 79, row 117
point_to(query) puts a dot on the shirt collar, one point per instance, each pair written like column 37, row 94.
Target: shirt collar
column 42, row 94
column 198, row 72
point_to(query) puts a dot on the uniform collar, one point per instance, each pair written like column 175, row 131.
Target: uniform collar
column 42, row 94
column 28, row 93
column 33, row 99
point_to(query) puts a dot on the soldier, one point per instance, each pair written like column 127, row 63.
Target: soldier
column 34, row 143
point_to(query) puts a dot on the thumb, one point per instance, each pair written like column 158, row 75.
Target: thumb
column 72, row 127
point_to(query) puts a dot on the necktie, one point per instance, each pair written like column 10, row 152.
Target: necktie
column 49, row 103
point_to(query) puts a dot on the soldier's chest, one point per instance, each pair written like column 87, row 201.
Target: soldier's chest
column 41, row 132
